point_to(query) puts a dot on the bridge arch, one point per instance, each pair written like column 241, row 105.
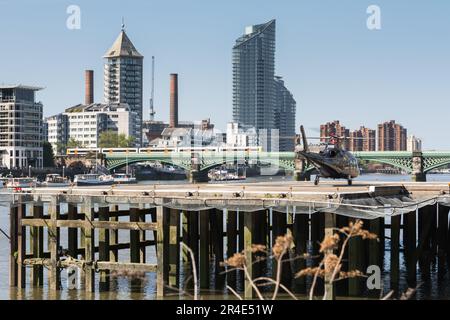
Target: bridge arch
column 284, row 164
column 403, row 164
column 116, row 164
column 437, row 165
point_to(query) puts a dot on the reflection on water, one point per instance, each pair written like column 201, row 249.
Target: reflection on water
column 123, row 288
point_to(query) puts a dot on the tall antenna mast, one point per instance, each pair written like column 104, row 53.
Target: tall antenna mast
column 152, row 110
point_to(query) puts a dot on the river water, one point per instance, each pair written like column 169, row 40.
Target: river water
column 124, row 288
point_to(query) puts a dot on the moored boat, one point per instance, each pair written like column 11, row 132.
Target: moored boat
column 93, row 179
column 14, row 183
column 55, row 180
column 124, row 178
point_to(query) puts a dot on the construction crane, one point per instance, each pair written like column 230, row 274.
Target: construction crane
column 152, row 97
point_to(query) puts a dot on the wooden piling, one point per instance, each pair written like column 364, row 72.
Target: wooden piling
column 395, row 252
column 37, row 247
column 241, row 230
column 162, row 275
column 13, row 269
column 174, row 248
column 265, row 229
column 443, row 241
column 142, row 239
column 425, row 221
column 376, row 226
column 194, row 235
column 448, row 245
column 53, row 210
column 290, row 256
column 21, row 246
column 409, row 244
column 434, row 232
column 330, row 223
column 301, row 237
column 342, row 286
column 114, row 235
column 259, row 238
column 72, row 233
column 204, row 249
column 89, row 245
column 279, row 228
column 134, row 237
column 185, row 220
column 249, row 258
column 232, row 234
column 240, row 214
column 216, row 223
column 356, row 256
column 103, row 248
column 317, row 235
column 382, row 241
column 188, row 240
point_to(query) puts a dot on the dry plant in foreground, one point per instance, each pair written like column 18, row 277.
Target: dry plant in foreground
column 239, row 262
column 330, row 266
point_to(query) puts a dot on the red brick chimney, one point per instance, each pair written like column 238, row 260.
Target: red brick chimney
column 89, row 87
column 173, row 123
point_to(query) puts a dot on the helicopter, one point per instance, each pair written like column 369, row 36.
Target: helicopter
column 333, row 162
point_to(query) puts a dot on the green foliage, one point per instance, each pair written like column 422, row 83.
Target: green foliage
column 48, row 155
column 111, row 139
column 73, row 143
column 61, row 148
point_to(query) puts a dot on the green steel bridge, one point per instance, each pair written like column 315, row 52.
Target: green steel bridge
column 421, row 162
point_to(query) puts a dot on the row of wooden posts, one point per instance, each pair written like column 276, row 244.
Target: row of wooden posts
column 213, row 235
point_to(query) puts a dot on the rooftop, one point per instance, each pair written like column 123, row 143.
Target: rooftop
column 122, row 47
column 20, row 86
column 253, row 31
column 98, row 107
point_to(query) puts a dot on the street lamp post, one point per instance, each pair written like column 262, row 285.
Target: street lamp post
column 29, row 171
column 63, row 175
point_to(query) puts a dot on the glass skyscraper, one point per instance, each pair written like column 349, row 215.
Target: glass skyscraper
column 253, row 77
column 285, row 115
column 260, row 99
column 123, row 79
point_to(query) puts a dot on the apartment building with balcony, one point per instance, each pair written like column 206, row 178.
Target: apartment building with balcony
column 84, row 124
column 21, row 127
column 123, row 77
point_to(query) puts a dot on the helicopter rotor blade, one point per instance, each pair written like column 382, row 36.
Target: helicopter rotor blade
column 304, row 139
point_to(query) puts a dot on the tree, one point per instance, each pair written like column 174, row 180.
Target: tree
column 124, row 141
column 48, row 155
column 73, row 143
column 61, row 148
column 111, row 139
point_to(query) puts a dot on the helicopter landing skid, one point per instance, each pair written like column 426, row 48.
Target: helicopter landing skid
column 316, row 180
column 349, row 181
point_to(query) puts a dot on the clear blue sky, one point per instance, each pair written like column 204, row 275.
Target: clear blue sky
column 335, row 67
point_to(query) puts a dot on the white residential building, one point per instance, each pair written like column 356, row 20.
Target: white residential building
column 184, row 137
column 56, row 131
column 21, row 129
column 240, row 136
column 84, row 124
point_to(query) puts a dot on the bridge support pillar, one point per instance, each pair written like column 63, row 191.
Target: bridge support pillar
column 418, row 173
column 196, row 176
